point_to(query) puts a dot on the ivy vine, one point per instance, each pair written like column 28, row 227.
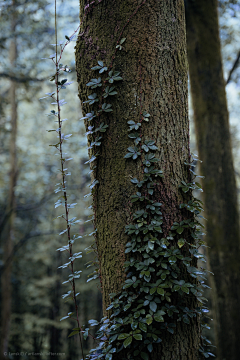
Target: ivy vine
column 157, row 266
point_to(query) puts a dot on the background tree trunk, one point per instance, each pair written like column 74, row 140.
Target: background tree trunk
column 8, row 235
column 153, row 65
column 220, row 195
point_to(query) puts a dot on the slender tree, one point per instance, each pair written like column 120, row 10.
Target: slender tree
column 8, row 234
column 142, row 44
column 220, row 195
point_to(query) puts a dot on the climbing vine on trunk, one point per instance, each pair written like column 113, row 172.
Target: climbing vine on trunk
column 163, row 285
column 158, row 291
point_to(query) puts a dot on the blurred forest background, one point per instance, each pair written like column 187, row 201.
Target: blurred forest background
column 29, row 172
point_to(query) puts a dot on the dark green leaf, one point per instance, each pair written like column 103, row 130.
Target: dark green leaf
column 150, row 347
column 123, row 336
column 158, row 318
column 143, row 327
column 127, row 341
column 153, row 306
column 144, row 355
column 137, row 336
column 180, row 230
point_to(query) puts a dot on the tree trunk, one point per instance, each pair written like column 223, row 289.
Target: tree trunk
column 153, row 65
column 220, row 195
column 8, row 231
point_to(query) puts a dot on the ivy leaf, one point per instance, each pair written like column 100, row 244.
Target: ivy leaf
column 145, row 148
column 73, row 333
column 109, row 91
column 136, row 314
column 133, row 125
column 119, row 46
column 134, row 325
column 123, row 336
column 158, row 318
column 152, row 290
column 136, row 138
column 144, row 355
column 180, row 230
column 160, row 291
column 150, row 348
column 89, row 116
column 149, row 145
column 106, row 107
column 85, row 334
column 102, row 128
column 149, row 320
column 114, row 76
column 100, row 67
column 94, row 83
column 133, row 152
column 185, row 289
column 92, row 99
column 137, row 336
column 127, row 341
column 186, row 320
column 122, row 41
column 103, row 69
column 146, row 116
column 172, row 259
column 143, row 327
column 134, row 181
column 108, row 356
column 150, row 245
column 181, row 242
column 153, row 306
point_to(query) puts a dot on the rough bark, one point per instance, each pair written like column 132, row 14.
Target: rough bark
column 220, row 195
column 153, row 65
column 7, row 235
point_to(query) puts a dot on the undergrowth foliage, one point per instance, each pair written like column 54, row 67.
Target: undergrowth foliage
column 157, row 265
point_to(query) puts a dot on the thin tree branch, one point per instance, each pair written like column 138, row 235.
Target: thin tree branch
column 23, row 79
column 21, row 242
column 235, row 65
column 22, row 208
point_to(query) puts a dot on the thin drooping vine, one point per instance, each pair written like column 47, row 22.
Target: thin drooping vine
column 72, row 257
column 60, row 85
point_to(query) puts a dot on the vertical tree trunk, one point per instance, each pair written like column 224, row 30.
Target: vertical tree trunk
column 220, row 195
column 153, row 65
column 9, row 226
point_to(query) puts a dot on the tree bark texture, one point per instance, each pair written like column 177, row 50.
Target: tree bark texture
column 7, row 235
column 220, row 195
column 153, row 65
